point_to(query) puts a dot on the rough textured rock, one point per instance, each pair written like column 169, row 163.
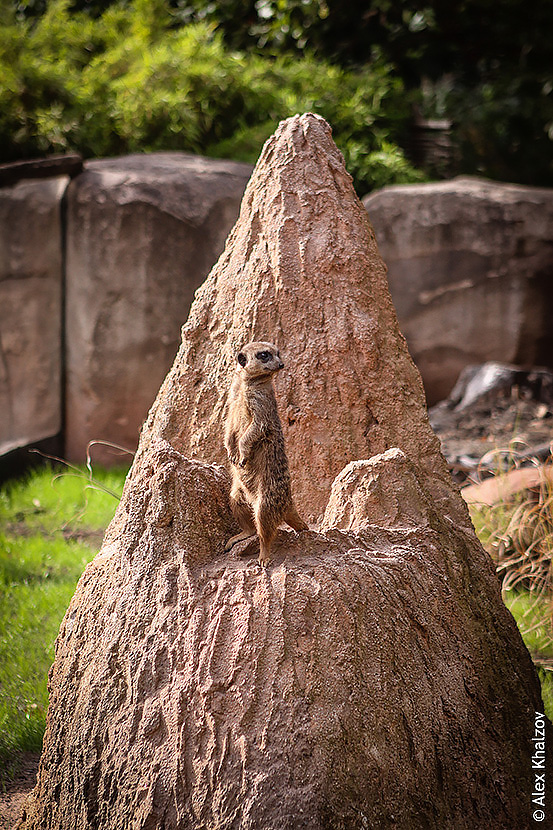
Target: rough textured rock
column 301, row 269
column 367, row 679
column 370, row 677
column 470, row 271
column 30, row 311
column 368, row 491
column 142, row 233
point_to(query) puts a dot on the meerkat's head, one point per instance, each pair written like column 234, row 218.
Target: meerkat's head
column 258, row 359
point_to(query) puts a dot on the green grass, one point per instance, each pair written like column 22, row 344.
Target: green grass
column 536, row 629
column 51, row 526
column 52, row 501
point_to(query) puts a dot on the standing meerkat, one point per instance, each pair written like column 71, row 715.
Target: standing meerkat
column 260, row 496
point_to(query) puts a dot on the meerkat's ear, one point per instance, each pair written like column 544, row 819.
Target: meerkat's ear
column 242, row 359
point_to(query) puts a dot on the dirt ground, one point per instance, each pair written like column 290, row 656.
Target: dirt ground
column 13, row 797
column 522, row 429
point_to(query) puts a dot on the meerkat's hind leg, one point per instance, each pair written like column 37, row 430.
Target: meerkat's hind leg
column 266, row 530
column 293, row 518
column 243, row 514
column 265, row 545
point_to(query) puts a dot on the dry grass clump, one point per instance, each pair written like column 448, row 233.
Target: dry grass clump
column 514, row 521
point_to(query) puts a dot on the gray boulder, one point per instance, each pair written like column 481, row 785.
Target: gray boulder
column 143, row 231
column 470, row 265
column 30, row 311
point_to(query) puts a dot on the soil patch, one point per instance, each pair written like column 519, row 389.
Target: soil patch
column 12, row 798
column 509, row 420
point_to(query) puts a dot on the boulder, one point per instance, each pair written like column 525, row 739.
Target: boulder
column 30, row 311
column 142, row 233
column 370, row 676
column 470, row 264
column 67, row 164
column 370, row 489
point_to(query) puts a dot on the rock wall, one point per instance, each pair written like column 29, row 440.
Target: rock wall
column 470, row 272
column 96, row 278
column 30, row 311
column 470, row 268
column 142, row 233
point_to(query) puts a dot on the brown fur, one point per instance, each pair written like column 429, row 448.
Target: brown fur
column 260, row 496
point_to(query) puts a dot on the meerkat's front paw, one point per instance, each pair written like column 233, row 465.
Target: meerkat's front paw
column 232, row 457
column 244, row 453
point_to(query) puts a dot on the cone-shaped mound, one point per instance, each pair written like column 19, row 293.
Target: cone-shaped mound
column 366, row 679
column 371, row 676
column 302, row 270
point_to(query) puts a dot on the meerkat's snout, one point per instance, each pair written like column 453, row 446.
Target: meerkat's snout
column 259, row 362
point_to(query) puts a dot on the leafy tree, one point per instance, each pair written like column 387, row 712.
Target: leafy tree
column 486, row 66
column 493, row 59
column 131, row 80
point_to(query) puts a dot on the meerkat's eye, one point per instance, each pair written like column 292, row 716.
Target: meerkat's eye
column 264, row 357
column 242, row 359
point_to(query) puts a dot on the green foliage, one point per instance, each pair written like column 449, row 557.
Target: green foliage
column 533, row 617
column 71, row 77
column 131, row 80
column 425, row 39
column 50, row 527
column 505, row 128
column 496, row 58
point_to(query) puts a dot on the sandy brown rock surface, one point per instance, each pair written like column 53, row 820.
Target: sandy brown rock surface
column 193, row 689
column 371, row 676
column 301, row 269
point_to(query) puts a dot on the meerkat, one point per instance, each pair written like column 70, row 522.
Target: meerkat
column 260, row 497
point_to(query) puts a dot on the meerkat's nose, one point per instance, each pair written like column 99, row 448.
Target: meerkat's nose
column 280, row 364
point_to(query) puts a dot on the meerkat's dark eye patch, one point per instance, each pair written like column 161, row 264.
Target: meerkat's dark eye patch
column 264, row 357
column 242, row 359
